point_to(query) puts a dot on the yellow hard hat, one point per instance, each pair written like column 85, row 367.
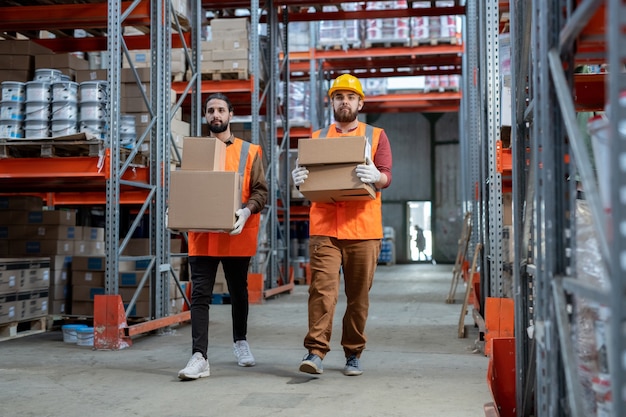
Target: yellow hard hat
column 347, row 82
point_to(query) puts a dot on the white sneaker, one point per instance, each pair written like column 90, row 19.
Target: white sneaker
column 243, row 354
column 197, row 367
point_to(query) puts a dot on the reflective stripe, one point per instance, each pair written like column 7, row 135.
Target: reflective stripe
column 243, row 157
column 369, row 132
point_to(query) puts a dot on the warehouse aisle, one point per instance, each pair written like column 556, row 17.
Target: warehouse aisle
column 414, row 364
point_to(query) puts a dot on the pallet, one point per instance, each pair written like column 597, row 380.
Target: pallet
column 334, row 46
column 22, row 328
column 387, row 43
column 225, row 75
column 49, row 148
column 435, row 41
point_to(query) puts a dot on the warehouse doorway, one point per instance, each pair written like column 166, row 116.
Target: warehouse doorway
column 420, row 231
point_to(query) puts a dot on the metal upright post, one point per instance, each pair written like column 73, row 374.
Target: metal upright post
column 114, row 40
column 616, row 16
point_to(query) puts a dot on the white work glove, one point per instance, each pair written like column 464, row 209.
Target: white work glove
column 242, row 217
column 299, row 174
column 368, row 172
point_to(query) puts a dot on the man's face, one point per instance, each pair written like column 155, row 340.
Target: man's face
column 217, row 115
column 346, row 106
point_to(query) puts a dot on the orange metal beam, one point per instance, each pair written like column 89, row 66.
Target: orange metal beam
column 223, row 86
column 154, row 324
column 68, row 16
column 99, row 43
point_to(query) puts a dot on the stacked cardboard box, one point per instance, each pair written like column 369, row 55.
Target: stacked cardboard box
column 216, row 193
column 24, row 285
column 332, row 169
column 67, row 63
column 228, row 50
column 60, row 278
column 17, row 59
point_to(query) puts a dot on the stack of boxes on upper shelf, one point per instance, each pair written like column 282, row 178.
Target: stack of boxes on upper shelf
column 49, row 265
column 225, row 52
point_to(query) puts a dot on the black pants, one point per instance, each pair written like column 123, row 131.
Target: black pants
column 203, row 272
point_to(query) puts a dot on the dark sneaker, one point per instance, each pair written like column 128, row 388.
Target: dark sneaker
column 353, row 367
column 311, row 364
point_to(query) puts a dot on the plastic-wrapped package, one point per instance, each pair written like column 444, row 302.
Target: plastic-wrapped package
column 590, row 318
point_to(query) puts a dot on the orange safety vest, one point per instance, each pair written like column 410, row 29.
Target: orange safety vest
column 349, row 219
column 239, row 157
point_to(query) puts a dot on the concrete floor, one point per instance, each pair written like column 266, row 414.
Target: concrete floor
column 414, row 364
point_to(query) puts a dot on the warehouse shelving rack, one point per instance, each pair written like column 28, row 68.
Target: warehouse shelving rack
column 549, row 39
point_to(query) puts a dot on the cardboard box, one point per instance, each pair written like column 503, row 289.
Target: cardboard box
column 224, row 54
column 88, row 278
column 21, row 202
column 89, row 247
column 82, row 308
column 86, row 292
column 203, row 154
column 17, row 62
column 8, row 308
column 88, row 263
column 61, row 61
column 41, row 247
column 22, row 47
column 336, row 182
column 16, row 75
column 34, row 279
column 215, row 196
column 226, row 24
column 342, row 150
column 93, row 233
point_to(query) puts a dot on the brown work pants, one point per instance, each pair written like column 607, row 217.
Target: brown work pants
column 358, row 259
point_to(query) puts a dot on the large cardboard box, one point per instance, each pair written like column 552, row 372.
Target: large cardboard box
column 203, row 200
column 342, row 150
column 22, row 47
column 335, row 182
column 203, row 154
column 332, row 169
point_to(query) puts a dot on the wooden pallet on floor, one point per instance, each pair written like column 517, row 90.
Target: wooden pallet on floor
column 387, row 43
column 435, row 41
column 49, row 148
column 22, row 328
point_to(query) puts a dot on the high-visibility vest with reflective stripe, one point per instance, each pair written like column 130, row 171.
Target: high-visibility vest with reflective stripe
column 349, row 219
column 239, row 158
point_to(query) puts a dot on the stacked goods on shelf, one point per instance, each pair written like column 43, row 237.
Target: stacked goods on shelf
column 375, row 86
column 387, row 253
column 388, row 30
column 17, row 59
column 60, row 278
column 434, row 29
column 135, row 117
column 299, row 36
column 226, row 54
column 216, row 193
column 24, row 286
column 331, row 164
column 340, row 34
column 299, row 101
column 142, row 58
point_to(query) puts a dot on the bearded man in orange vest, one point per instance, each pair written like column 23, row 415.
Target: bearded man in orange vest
column 233, row 250
column 345, row 235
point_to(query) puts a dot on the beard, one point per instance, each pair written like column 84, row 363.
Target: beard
column 342, row 116
column 218, row 127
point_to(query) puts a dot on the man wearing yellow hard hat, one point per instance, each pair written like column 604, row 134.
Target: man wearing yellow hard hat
column 345, row 235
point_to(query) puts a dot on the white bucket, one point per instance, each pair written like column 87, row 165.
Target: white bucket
column 63, row 127
column 65, row 91
column 65, row 110
column 11, row 110
column 92, row 111
column 37, row 91
column 47, row 75
column 12, row 91
column 69, row 332
column 84, row 336
column 598, row 128
column 11, row 129
column 36, row 129
column 93, row 91
column 98, row 128
column 37, row 111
